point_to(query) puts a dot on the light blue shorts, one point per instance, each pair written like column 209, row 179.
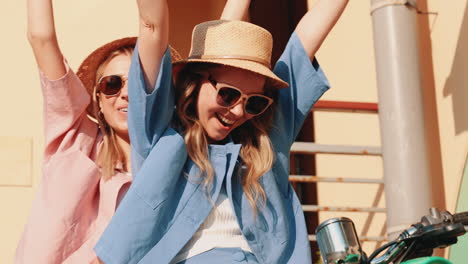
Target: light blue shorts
column 222, row 255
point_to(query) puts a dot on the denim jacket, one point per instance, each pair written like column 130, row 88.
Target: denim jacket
column 166, row 203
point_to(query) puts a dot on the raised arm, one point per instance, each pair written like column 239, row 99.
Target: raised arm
column 43, row 40
column 153, row 37
column 317, row 23
column 297, row 66
column 236, row 10
column 65, row 97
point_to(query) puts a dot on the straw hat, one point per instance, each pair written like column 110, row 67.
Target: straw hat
column 233, row 43
column 88, row 68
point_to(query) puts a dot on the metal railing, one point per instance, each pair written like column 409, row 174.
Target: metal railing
column 310, row 148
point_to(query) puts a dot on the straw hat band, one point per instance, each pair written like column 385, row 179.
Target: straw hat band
column 265, row 63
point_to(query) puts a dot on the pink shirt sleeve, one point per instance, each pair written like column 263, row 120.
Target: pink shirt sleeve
column 65, row 209
column 65, row 121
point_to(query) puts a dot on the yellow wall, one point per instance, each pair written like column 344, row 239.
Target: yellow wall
column 450, row 59
column 346, row 56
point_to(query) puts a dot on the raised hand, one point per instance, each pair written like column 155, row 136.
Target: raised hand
column 318, row 22
column 43, row 39
column 153, row 37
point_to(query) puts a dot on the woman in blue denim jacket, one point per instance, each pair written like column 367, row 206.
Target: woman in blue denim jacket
column 210, row 155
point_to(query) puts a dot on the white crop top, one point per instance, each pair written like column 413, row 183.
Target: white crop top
column 219, row 230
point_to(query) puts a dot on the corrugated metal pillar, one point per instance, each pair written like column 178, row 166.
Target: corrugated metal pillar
column 406, row 175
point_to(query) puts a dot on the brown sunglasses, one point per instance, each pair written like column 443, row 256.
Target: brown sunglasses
column 111, row 85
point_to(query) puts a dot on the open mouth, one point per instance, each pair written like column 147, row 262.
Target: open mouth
column 225, row 121
column 125, row 110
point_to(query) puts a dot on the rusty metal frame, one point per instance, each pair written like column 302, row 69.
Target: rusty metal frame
column 345, row 106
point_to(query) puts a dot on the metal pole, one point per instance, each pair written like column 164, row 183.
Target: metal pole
column 406, row 174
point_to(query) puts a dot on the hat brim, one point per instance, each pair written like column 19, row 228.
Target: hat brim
column 247, row 65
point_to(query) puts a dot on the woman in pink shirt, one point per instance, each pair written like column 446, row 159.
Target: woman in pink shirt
column 86, row 164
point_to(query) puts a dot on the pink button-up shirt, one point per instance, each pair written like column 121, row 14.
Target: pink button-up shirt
column 74, row 204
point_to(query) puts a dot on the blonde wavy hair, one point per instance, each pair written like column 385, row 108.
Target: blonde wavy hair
column 110, row 154
column 256, row 151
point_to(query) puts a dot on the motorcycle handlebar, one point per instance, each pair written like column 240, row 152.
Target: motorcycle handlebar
column 461, row 218
column 436, row 230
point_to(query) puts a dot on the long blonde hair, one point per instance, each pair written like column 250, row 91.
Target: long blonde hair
column 256, row 151
column 110, row 153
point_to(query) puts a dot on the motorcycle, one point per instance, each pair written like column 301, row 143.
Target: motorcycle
column 338, row 241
